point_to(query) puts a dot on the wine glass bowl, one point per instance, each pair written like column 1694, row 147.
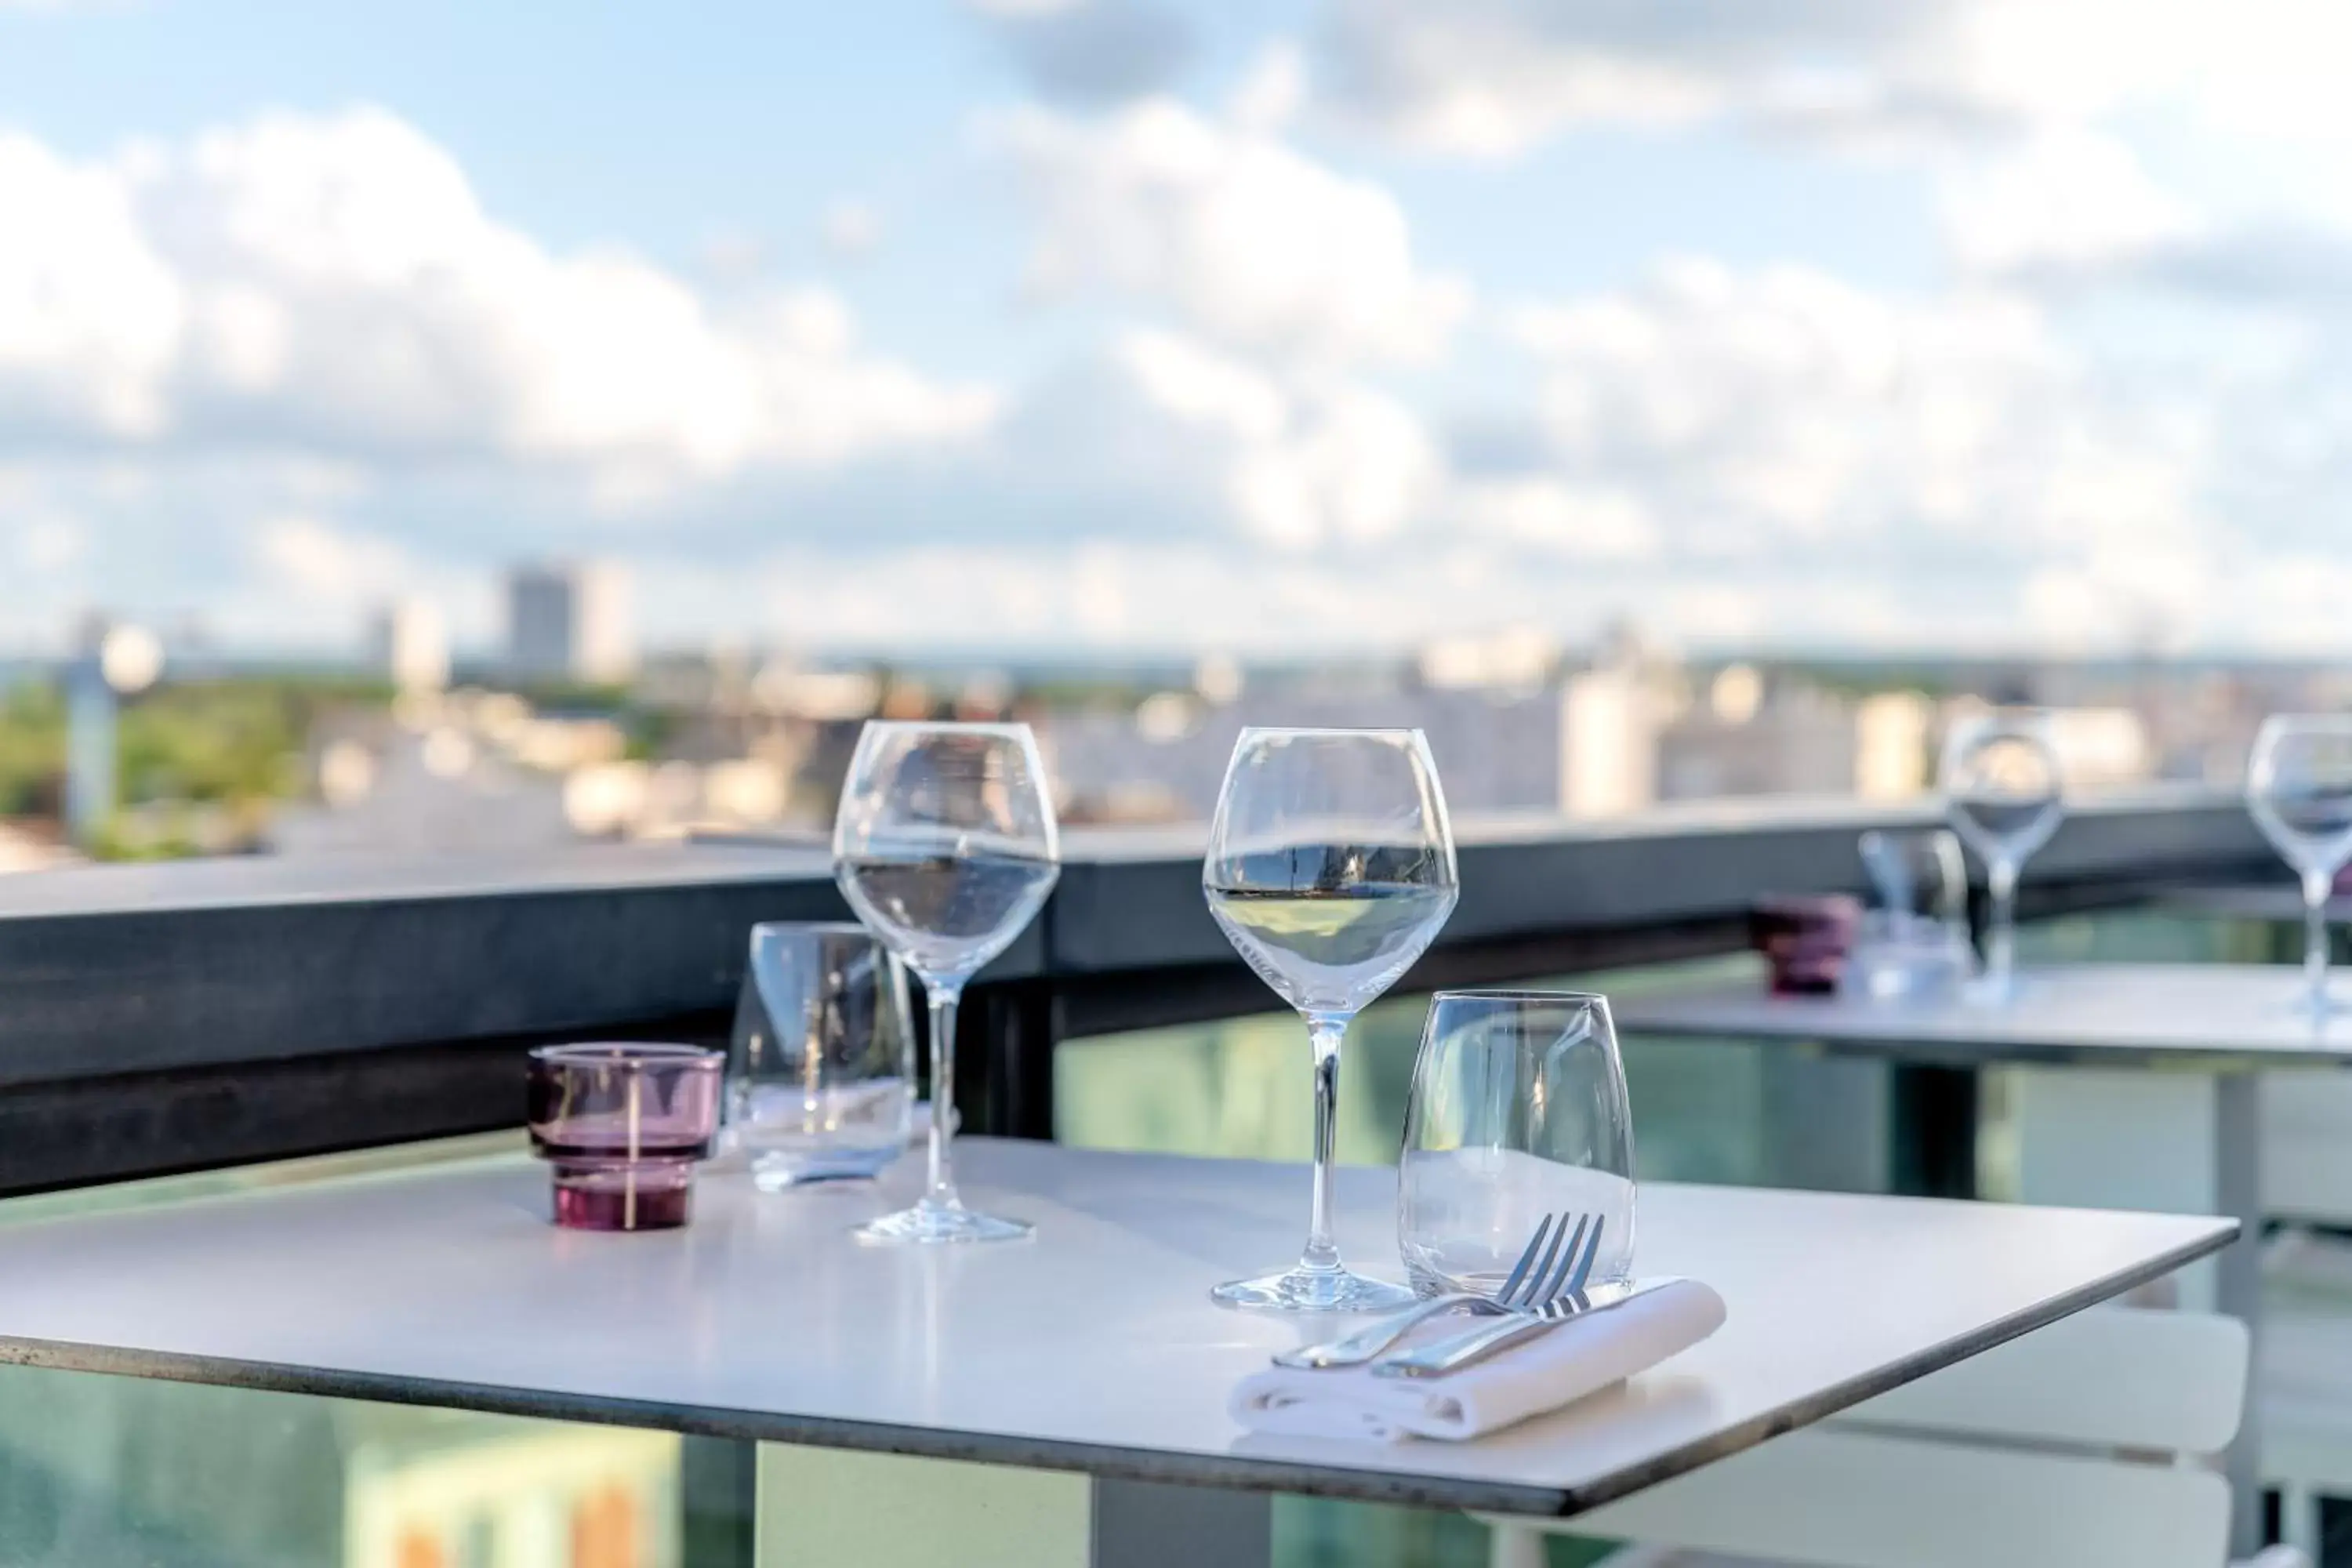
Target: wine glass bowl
column 1331, row 867
column 946, row 846
column 2299, row 793
column 2004, row 796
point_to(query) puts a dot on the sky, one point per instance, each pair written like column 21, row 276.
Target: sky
column 1127, row 326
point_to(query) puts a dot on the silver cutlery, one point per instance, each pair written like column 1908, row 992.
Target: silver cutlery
column 1451, row 1355
column 1541, row 1274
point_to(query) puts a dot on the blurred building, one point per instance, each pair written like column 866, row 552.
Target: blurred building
column 569, row 621
column 409, row 646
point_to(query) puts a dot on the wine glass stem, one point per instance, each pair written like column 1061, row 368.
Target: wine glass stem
column 941, row 1187
column 1325, row 1033
column 2000, row 926
column 2316, row 886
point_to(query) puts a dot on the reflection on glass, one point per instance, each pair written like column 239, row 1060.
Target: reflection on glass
column 1331, row 867
column 946, row 846
column 2299, row 789
column 2003, row 795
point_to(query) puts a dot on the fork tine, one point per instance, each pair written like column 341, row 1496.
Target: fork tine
column 1592, row 1254
column 1520, row 1269
column 1557, row 1266
column 1531, row 1288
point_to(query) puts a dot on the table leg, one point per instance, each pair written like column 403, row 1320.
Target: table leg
column 890, row 1511
column 719, row 1486
column 1149, row 1524
column 2238, row 1189
column 2186, row 1143
column 1934, row 1117
column 887, row 1510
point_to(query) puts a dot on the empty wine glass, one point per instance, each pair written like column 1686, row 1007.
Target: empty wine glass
column 946, row 846
column 2299, row 789
column 1518, row 1111
column 2003, row 795
column 1330, row 867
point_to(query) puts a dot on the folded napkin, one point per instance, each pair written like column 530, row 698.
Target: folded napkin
column 1581, row 1356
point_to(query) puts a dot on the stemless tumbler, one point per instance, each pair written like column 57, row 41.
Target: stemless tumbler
column 622, row 1126
column 817, row 1080
column 1518, row 1112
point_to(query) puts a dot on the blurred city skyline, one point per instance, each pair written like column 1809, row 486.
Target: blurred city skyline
column 1130, row 326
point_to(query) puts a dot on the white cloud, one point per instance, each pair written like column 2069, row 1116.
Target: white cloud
column 1559, row 517
column 91, row 318
column 1271, row 91
column 850, row 228
column 1785, row 415
column 319, row 561
column 1246, row 239
column 2065, row 202
column 1489, row 78
column 333, row 284
column 1219, row 447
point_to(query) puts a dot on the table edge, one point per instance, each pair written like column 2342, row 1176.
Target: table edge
column 1658, row 1015
column 1234, row 1471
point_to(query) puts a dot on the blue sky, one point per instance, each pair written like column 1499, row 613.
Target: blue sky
column 1147, row 325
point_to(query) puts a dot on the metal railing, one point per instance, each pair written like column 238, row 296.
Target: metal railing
column 173, row 1016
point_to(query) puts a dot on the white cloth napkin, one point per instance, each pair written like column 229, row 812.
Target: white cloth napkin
column 1582, row 1356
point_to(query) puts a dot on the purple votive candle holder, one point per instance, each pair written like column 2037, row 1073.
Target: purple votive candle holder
column 622, row 1127
column 1804, row 940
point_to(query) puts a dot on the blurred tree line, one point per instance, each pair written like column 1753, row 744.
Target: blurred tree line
column 232, row 742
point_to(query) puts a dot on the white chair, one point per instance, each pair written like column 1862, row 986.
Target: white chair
column 2081, row 1446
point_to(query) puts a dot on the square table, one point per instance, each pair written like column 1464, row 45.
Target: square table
column 1092, row 1347
column 2151, row 1097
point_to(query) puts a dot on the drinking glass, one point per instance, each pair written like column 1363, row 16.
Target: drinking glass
column 946, row 848
column 1518, row 1112
column 2004, row 797
column 1919, row 876
column 819, row 1087
column 1330, row 867
column 620, row 1127
column 2299, row 789
column 1914, row 937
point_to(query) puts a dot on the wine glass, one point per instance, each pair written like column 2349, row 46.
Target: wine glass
column 946, row 846
column 2004, row 797
column 2299, row 789
column 1330, row 867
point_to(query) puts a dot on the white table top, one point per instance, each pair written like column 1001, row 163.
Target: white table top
column 1092, row 1346
column 2217, row 1017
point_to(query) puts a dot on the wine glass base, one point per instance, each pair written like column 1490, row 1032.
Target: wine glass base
column 1313, row 1291
column 937, row 1224
column 2321, row 1006
column 1990, row 990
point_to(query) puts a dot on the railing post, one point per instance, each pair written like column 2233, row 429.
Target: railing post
column 1005, row 1057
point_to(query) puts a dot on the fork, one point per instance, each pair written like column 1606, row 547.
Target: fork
column 1525, row 1324
column 1540, row 1275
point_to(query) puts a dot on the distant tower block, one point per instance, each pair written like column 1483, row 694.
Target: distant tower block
column 410, row 646
column 569, row 621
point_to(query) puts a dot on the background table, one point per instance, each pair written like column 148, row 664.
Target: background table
column 1092, row 1347
column 2151, row 1099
